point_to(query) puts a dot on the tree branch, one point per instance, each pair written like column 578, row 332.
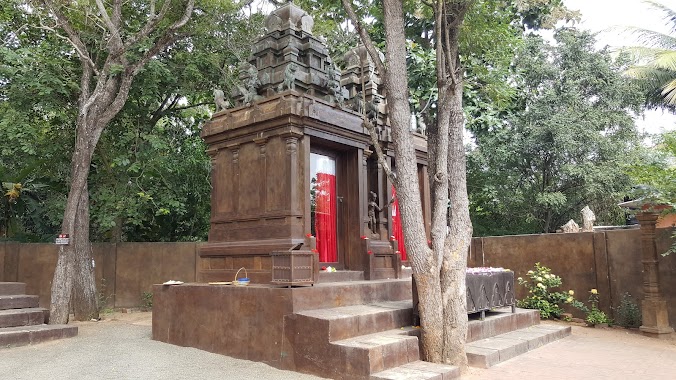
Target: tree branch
column 364, row 36
column 379, row 151
column 154, row 20
column 112, row 28
column 73, row 37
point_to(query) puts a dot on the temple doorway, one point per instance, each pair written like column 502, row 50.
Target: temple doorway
column 324, row 206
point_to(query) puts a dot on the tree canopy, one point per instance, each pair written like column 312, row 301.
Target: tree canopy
column 563, row 144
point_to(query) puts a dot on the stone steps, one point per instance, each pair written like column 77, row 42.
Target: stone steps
column 419, row 370
column 22, row 322
column 373, row 353
column 24, row 335
column 18, row 301
column 11, row 288
column 340, row 276
column 369, row 341
column 22, row 317
column 485, row 353
column 349, row 321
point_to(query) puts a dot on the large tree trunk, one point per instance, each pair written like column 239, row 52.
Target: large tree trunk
column 62, row 283
column 453, row 270
column 85, row 298
column 423, row 260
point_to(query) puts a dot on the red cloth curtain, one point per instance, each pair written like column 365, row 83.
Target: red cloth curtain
column 397, row 231
column 325, row 218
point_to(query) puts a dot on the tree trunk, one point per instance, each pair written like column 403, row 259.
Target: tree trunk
column 453, row 270
column 84, row 283
column 62, row 283
column 423, row 259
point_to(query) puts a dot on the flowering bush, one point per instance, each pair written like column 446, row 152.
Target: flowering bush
column 594, row 315
column 540, row 283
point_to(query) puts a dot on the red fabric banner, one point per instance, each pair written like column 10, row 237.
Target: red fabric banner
column 397, row 231
column 325, row 218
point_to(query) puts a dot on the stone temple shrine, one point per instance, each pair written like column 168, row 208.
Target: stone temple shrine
column 293, row 165
column 297, row 187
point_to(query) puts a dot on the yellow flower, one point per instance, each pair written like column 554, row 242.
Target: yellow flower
column 539, row 285
column 539, row 278
column 547, row 276
column 570, row 292
column 594, row 291
column 530, row 272
column 569, row 299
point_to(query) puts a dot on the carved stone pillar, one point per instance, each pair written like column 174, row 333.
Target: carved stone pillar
column 235, row 169
column 364, row 190
column 653, row 306
column 292, row 168
column 261, row 142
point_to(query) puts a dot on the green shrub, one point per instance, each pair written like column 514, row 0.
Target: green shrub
column 628, row 313
column 540, row 283
column 147, row 300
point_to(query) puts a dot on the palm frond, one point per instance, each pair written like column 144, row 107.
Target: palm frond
column 652, row 76
column 649, row 37
column 669, row 92
column 669, row 14
column 640, row 54
column 665, row 60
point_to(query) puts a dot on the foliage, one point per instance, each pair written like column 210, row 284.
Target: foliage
column 653, row 170
column 562, row 145
column 594, row 316
column 149, row 180
column 628, row 313
column 655, row 59
column 147, row 300
column 540, row 284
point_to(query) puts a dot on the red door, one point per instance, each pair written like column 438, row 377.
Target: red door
column 323, row 205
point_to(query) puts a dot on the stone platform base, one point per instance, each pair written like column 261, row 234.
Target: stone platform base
column 340, row 330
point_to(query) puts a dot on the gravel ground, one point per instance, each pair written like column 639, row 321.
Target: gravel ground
column 119, row 347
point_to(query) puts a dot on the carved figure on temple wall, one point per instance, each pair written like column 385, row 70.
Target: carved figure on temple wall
column 250, row 91
column 221, row 102
column 358, row 103
column 253, row 83
column 373, row 206
column 333, row 85
column 289, row 78
column 372, row 109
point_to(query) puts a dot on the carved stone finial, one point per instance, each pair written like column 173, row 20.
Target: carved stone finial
column 289, row 16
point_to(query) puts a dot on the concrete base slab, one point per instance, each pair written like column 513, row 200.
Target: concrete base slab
column 488, row 352
column 419, row 370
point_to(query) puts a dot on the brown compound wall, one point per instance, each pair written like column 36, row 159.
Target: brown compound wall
column 123, row 271
column 609, row 261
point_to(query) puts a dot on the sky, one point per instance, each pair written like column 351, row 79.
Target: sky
column 607, row 17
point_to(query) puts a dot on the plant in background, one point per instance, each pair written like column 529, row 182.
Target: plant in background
column 594, row 316
column 103, row 300
column 540, row 283
column 147, row 300
column 628, row 313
